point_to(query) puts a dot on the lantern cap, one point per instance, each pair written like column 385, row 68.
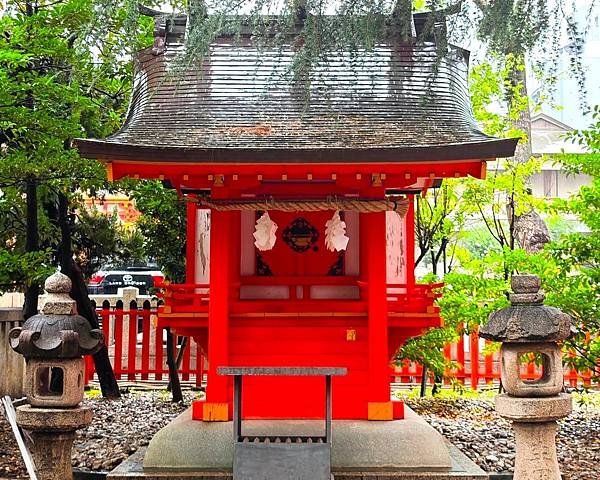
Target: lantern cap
column 527, row 319
column 58, row 283
column 58, row 301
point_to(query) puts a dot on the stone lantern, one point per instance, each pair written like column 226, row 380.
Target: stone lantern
column 529, row 327
column 53, row 343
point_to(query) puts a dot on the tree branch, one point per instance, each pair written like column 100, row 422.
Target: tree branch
column 487, row 224
column 149, row 12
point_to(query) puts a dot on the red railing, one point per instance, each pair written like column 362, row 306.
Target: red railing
column 137, row 346
column 417, row 296
column 137, row 349
column 476, row 366
column 402, row 298
column 184, row 297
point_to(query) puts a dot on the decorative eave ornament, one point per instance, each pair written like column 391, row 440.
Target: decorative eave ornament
column 264, row 233
column 57, row 332
column 335, row 233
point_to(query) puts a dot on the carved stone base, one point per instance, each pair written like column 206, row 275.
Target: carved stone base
column 534, row 422
column 536, row 451
column 50, row 434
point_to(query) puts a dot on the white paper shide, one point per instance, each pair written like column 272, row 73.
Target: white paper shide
column 264, row 233
column 335, row 234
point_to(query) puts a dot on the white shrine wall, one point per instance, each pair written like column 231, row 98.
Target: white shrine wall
column 202, row 270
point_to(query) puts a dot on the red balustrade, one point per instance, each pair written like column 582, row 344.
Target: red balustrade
column 476, row 366
column 137, row 346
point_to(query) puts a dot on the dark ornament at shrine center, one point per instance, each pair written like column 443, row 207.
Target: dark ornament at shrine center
column 300, row 238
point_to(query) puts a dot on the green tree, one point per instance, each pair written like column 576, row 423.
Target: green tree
column 162, row 225
column 438, row 221
column 574, row 282
column 569, row 267
column 43, row 107
column 100, row 239
column 512, row 30
column 54, row 88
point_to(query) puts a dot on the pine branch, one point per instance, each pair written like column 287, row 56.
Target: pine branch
column 149, row 12
column 46, row 5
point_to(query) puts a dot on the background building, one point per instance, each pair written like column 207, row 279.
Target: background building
column 548, row 137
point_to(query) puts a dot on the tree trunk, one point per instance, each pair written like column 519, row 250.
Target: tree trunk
column 402, row 14
column 423, row 389
column 32, row 292
column 528, row 231
column 179, row 359
column 437, row 385
column 177, row 395
column 106, row 376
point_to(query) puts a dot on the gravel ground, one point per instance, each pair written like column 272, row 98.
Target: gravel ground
column 474, row 427
column 120, row 427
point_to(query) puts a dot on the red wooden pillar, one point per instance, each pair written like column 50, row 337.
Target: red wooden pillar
column 374, row 261
column 489, row 365
column 190, row 246
column 460, row 355
column 410, row 242
column 190, row 271
column 132, row 340
column 217, row 393
column 145, row 340
column 475, row 359
column 118, row 361
column 235, row 253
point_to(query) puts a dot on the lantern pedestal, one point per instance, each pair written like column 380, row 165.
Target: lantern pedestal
column 534, row 422
column 52, row 432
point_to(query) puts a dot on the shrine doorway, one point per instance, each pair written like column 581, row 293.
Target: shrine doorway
column 299, row 266
column 300, row 248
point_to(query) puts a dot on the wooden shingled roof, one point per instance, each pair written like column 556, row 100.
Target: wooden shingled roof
column 398, row 102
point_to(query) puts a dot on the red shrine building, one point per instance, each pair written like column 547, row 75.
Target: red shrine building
column 300, row 213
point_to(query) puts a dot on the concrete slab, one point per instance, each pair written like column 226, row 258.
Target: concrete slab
column 462, row 469
column 399, row 445
column 408, row 449
column 187, row 444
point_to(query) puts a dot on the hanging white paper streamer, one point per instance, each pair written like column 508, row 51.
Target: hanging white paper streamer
column 264, row 233
column 335, row 234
